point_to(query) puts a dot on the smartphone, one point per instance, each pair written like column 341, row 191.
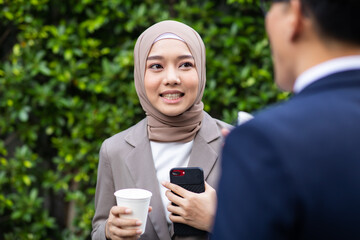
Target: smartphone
column 192, row 179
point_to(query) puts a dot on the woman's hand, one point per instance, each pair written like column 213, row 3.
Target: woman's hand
column 118, row 228
column 194, row 209
column 225, row 132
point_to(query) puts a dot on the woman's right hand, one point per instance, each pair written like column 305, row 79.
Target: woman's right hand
column 118, row 228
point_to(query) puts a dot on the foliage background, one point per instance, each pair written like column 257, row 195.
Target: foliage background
column 66, row 84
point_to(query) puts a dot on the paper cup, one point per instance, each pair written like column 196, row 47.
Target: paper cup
column 138, row 200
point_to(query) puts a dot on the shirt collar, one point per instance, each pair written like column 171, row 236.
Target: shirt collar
column 325, row 69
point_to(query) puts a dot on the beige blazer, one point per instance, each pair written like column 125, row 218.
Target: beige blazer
column 126, row 162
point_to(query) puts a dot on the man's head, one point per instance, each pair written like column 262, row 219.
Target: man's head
column 304, row 33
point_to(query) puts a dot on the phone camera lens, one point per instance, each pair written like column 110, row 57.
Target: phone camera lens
column 178, row 173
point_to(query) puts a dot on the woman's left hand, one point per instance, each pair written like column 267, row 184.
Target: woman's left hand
column 194, row 209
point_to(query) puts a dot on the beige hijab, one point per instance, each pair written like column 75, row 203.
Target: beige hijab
column 163, row 128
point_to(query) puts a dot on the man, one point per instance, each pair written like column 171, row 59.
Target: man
column 293, row 172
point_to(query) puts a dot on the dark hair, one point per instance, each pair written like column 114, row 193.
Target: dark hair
column 336, row 19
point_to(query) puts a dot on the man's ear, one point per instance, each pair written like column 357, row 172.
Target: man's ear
column 296, row 20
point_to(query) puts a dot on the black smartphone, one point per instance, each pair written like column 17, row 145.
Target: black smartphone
column 192, row 179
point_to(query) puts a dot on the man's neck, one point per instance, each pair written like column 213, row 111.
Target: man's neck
column 312, row 54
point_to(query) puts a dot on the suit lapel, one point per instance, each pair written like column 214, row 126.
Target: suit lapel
column 203, row 154
column 141, row 167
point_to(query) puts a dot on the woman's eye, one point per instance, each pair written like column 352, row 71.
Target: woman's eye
column 187, row 65
column 155, row 66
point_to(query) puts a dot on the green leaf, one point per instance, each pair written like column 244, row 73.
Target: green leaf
column 44, row 69
column 9, row 15
column 26, row 179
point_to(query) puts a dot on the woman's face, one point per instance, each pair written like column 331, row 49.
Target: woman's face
column 171, row 80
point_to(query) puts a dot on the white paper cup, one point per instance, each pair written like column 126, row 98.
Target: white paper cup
column 138, row 200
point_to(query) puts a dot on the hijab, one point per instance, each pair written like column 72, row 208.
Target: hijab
column 163, row 128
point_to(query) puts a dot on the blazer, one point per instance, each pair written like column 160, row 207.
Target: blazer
column 126, row 162
column 293, row 172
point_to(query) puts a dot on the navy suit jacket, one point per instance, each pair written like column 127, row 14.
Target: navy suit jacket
column 293, row 172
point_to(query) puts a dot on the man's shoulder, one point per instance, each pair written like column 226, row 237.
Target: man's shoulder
column 275, row 122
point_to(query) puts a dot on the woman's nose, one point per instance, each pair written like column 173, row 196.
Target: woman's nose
column 171, row 77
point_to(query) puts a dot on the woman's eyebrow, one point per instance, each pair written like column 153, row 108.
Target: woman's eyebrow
column 158, row 57
column 185, row 57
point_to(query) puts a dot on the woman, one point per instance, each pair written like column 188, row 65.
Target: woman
column 169, row 59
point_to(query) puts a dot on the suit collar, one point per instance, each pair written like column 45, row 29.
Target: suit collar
column 208, row 131
column 204, row 153
column 140, row 129
column 325, row 69
column 334, row 81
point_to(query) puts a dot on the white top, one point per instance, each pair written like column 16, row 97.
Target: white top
column 325, row 69
column 167, row 156
column 243, row 117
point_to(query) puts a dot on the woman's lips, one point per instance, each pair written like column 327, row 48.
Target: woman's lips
column 172, row 97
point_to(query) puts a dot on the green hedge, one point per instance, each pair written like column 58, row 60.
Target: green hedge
column 66, row 84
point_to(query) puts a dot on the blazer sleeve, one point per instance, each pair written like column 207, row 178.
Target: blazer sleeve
column 104, row 195
column 256, row 196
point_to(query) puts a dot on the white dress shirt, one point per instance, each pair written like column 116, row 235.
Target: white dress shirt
column 325, row 69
